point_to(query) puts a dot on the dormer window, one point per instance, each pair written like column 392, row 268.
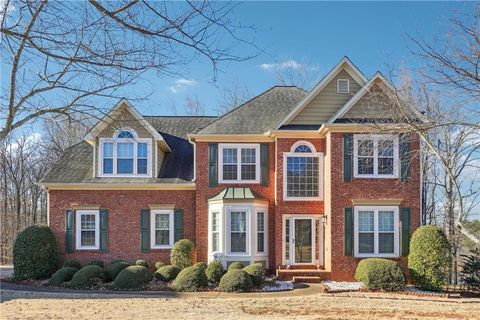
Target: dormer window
column 343, row 86
column 125, row 155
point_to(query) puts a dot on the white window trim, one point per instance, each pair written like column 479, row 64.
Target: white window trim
column 265, row 231
column 153, row 245
column 78, row 233
column 248, row 229
column 376, row 138
column 313, row 154
column 135, row 142
column 396, row 240
column 338, row 86
column 237, row 146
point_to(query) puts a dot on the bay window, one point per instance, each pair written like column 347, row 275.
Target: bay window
column 375, row 156
column 239, row 163
column 238, row 231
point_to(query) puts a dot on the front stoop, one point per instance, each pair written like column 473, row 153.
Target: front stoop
column 303, row 275
column 303, row 279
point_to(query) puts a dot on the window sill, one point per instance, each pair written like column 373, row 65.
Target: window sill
column 302, row 199
column 377, row 176
column 124, row 175
column 239, row 181
column 88, row 248
column 377, row 255
column 160, row 247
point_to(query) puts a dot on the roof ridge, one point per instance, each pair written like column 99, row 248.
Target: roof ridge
column 182, row 116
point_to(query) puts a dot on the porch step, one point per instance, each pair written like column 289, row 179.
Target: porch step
column 303, row 279
column 290, row 274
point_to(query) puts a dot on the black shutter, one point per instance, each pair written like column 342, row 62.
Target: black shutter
column 212, row 164
column 178, row 224
column 264, row 166
column 348, row 231
column 404, row 157
column 145, row 230
column 69, row 231
column 406, row 230
column 104, row 230
column 347, row 157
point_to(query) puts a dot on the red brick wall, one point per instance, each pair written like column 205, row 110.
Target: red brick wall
column 124, row 220
column 343, row 268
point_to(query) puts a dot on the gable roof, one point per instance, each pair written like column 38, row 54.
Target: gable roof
column 258, row 115
column 344, row 64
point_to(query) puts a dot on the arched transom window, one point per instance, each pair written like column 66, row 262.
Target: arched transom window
column 125, row 154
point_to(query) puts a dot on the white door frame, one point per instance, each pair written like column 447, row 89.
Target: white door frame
column 292, row 219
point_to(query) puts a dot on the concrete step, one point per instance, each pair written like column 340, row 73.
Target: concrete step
column 289, row 274
column 304, row 279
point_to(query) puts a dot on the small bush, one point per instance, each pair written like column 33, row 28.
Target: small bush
column 96, row 263
column 132, row 277
column 62, row 275
column 470, row 272
column 142, row 263
column 235, row 281
column 159, row 264
column 72, row 264
column 429, row 260
column 115, row 261
column 191, row 279
column 114, row 269
column 201, row 265
column 257, row 272
column 235, row 265
column 35, row 253
column 380, row 274
column 88, row 276
column 214, row 271
column 181, row 253
column 167, row 273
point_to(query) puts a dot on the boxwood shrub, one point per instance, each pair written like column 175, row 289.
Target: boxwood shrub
column 88, row 277
column 214, row 271
column 429, row 260
column 142, row 263
column 235, row 265
column 115, row 261
column 159, row 264
column 181, row 253
column 201, row 265
column 191, row 279
column 132, row 277
column 167, row 273
column 380, row 274
column 235, row 281
column 96, row 263
column 114, row 269
column 257, row 273
column 72, row 264
column 62, row 275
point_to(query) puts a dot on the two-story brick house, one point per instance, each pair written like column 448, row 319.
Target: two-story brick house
column 301, row 181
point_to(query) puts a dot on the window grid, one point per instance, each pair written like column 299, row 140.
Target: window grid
column 87, row 229
column 302, row 177
column 238, row 231
column 239, row 163
column 215, row 231
column 376, row 156
column 162, row 229
column 261, row 232
column 107, row 157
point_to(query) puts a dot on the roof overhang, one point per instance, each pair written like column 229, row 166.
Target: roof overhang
column 118, row 186
column 230, row 137
column 363, row 127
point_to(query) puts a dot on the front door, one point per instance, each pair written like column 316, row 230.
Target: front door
column 302, row 241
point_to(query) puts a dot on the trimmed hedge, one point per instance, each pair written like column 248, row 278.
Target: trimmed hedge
column 132, row 277
column 115, row 261
column 191, row 279
column 142, row 263
column 235, row 281
column 235, row 266
column 257, row 273
column 167, row 273
column 115, row 268
column 35, row 253
column 181, row 253
column 62, row 275
column 96, row 263
column 88, row 276
column 159, row 264
column 72, row 264
column 380, row 274
column 201, row 265
column 214, row 271
column 429, row 260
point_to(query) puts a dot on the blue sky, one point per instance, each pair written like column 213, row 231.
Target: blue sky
column 310, row 34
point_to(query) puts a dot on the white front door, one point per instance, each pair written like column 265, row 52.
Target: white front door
column 302, row 241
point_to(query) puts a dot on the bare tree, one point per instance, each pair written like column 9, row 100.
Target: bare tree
column 232, row 97
column 70, row 57
column 300, row 74
column 193, row 106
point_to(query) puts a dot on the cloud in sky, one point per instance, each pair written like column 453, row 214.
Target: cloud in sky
column 287, row 64
column 181, row 84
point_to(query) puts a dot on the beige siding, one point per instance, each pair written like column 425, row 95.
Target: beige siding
column 375, row 104
column 327, row 102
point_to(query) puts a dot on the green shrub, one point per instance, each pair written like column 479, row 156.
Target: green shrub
column 380, row 274
column 167, row 273
column 142, row 263
column 62, row 275
column 235, row 281
column 201, row 265
column 191, row 279
column 159, row 264
column 470, row 272
column 72, row 264
column 257, row 272
column 181, row 253
column 114, row 269
column 35, row 253
column 235, row 265
column 88, row 276
column 96, row 263
column 214, row 271
column 429, row 260
column 115, row 261
column 132, row 277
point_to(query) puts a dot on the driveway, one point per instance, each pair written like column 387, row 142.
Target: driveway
column 6, row 271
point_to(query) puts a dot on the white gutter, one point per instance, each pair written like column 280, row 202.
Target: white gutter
column 194, row 157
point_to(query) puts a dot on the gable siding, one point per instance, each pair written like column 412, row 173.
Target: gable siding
column 375, row 104
column 327, row 102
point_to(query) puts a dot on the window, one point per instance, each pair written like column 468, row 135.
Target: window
column 87, row 230
column 302, row 172
column 376, row 231
column 161, row 233
column 261, row 232
column 239, row 163
column 238, row 231
column 125, row 155
column 343, row 86
column 215, row 231
column 375, row 156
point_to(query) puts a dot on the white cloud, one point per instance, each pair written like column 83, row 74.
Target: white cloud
column 287, row 64
column 180, row 84
column 30, row 140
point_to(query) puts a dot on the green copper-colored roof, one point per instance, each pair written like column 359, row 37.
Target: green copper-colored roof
column 235, row 193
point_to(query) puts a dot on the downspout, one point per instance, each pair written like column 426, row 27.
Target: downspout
column 194, row 157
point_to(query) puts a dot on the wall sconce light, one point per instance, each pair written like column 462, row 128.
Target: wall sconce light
column 324, row 219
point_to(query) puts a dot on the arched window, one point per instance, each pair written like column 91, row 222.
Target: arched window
column 303, row 148
column 124, row 134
